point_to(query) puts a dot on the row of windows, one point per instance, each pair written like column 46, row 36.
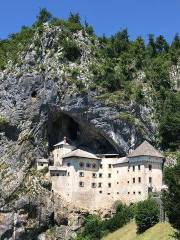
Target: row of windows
column 139, row 180
column 139, row 167
column 94, row 175
column 94, row 185
column 134, row 193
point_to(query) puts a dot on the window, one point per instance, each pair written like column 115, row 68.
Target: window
column 108, row 193
column 68, row 164
column 150, row 179
column 100, row 175
column 109, row 165
column 117, row 182
column 41, row 164
column 81, row 164
column 128, row 193
column 57, row 174
column 128, row 168
column 81, row 174
column 94, row 175
column 68, row 173
column 109, row 185
column 100, row 192
column 150, row 167
column 139, row 167
column 139, row 179
column 93, row 165
column 109, row 175
column 139, row 193
column 81, row 184
column 88, row 165
column 127, row 181
column 101, row 166
column 134, row 180
column 117, row 171
column 93, row 185
column 133, row 168
column 99, row 184
column 117, row 192
column 134, row 193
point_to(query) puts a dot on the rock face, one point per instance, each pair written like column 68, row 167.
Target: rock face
column 39, row 105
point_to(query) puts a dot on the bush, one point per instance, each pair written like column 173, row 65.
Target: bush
column 147, row 214
column 71, row 50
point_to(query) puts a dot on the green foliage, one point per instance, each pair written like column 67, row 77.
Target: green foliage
column 71, row 51
column 44, row 16
column 172, row 195
column 95, row 228
column 147, row 214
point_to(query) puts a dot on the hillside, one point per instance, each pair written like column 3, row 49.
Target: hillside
column 161, row 231
column 57, row 78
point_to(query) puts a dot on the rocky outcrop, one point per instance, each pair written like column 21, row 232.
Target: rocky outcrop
column 40, row 102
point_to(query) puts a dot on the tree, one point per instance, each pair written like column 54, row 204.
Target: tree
column 74, row 18
column 120, row 42
column 175, row 49
column 44, row 16
column 147, row 214
column 172, row 195
column 138, row 51
column 161, row 44
column 151, row 47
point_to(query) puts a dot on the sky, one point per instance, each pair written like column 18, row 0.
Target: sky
column 141, row 17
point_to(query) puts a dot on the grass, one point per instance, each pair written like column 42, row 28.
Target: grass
column 161, row 231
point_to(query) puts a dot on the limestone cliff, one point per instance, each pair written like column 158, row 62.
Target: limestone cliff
column 44, row 96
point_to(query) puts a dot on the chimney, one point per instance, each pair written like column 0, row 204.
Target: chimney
column 65, row 139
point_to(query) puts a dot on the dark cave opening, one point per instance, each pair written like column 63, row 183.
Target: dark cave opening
column 34, row 94
column 78, row 133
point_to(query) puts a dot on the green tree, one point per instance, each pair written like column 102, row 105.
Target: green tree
column 175, row 50
column 161, row 44
column 120, row 42
column 147, row 214
column 151, row 47
column 44, row 16
column 138, row 51
column 172, row 195
column 74, row 18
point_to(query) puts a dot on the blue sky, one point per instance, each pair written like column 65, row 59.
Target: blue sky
column 141, row 17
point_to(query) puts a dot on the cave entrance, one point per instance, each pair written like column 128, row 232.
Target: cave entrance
column 78, row 133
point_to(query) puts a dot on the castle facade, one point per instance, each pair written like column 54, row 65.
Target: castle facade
column 97, row 181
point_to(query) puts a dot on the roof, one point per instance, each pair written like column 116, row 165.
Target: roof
column 121, row 160
column 145, row 149
column 81, row 153
column 61, row 143
column 42, row 160
column 56, row 168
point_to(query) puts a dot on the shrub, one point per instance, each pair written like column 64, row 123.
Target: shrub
column 71, row 50
column 147, row 214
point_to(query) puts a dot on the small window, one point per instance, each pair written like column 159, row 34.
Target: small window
column 108, row 193
column 109, row 175
column 117, row 192
column 134, row 180
column 128, row 168
column 134, row 193
column 109, row 165
column 100, row 165
column 94, row 175
column 117, row 171
column 139, row 193
column 150, row 167
column 57, row 174
column 127, row 181
column 93, row 185
column 139, row 179
column 81, row 174
column 41, row 164
column 81, row 184
column 68, row 164
column 150, row 179
column 128, row 193
column 117, row 182
column 133, row 168
column 109, row 185
column 100, row 192
column 93, row 165
column 139, row 167
column 81, row 164
column 68, row 173
column 100, row 175
column 99, row 184
column 88, row 165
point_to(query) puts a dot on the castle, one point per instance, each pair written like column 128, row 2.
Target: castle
column 97, row 181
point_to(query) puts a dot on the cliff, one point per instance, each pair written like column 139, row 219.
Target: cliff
column 46, row 93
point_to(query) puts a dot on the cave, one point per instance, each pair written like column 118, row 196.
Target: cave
column 79, row 133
